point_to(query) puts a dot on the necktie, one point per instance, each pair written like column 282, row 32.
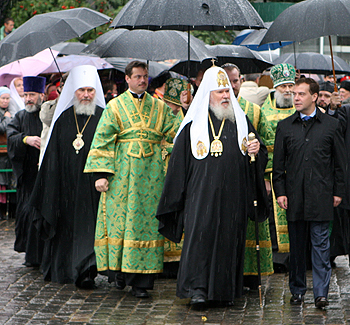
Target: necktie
column 306, row 118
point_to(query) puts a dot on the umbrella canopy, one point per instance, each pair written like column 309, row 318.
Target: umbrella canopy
column 45, row 30
column 68, row 48
column 253, row 40
column 154, row 68
column 248, row 61
column 309, row 62
column 310, row 19
column 30, row 66
column 186, row 15
column 67, row 63
column 147, row 45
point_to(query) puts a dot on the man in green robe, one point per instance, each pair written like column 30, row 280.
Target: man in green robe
column 125, row 156
column 260, row 123
column 278, row 106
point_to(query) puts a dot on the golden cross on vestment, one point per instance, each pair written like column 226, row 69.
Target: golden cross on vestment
column 213, row 62
column 145, row 115
column 134, row 114
column 142, row 135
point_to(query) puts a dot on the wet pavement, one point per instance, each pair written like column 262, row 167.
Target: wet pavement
column 25, row 298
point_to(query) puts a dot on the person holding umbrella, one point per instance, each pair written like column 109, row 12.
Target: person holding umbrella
column 208, row 192
column 309, row 181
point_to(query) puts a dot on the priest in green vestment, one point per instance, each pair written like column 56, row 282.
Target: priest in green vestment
column 278, row 106
column 260, row 123
column 125, row 157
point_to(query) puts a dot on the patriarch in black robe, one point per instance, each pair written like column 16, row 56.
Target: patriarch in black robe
column 208, row 192
column 65, row 198
column 23, row 146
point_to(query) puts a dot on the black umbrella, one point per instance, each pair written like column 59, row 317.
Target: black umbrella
column 247, row 60
column 43, row 31
column 69, row 48
column 147, row 45
column 188, row 15
column 310, row 62
column 311, row 19
column 154, row 68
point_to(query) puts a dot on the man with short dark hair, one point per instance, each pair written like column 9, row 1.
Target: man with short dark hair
column 250, row 89
column 7, row 28
column 309, row 166
column 23, row 134
column 324, row 96
column 126, row 158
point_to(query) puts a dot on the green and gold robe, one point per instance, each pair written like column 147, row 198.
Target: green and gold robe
column 274, row 115
column 127, row 146
column 260, row 123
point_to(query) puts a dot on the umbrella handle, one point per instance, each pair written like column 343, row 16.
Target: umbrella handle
column 188, row 99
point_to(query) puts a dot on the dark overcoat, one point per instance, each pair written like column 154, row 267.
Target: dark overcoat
column 309, row 166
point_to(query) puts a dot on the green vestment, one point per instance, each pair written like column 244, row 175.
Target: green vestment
column 260, row 123
column 127, row 146
column 274, row 115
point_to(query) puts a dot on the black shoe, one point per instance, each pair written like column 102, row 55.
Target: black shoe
column 86, row 283
column 119, row 281
column 139, row 292
column 321, row 302
column 296, row 299
column 197, row 300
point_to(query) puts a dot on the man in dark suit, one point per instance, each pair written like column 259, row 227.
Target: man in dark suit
column 308, row 176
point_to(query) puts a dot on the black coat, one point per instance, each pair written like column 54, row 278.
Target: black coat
column 309, row 166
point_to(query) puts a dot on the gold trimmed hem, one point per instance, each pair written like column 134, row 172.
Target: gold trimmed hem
column 101, row 153
column 142, row 271
column 99, row 170
column 262, row 244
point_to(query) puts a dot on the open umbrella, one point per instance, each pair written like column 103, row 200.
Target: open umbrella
column 311, row 19
column 68, row 48
column 45, row 30
column 148, row 45
column 247, row 60
column 67, row 63
column 188, row 15
column 30, row 66
column 310, row 62
column 253, row 40
column 154, row 68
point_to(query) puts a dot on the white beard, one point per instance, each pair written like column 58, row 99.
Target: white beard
column 84, row 109
column 30, row 108
column 221, row 112
column 283, row 102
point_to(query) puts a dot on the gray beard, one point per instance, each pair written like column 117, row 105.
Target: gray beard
column 283, row 102
column 222, row 113
column 34, row 107
column 84, row 109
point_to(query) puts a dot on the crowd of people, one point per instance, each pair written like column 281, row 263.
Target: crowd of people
column 172, row 182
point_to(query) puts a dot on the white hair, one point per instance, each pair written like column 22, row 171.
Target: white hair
column 84, row 109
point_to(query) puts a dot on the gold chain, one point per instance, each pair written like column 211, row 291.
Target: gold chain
column 212, row 128
column 76, row 122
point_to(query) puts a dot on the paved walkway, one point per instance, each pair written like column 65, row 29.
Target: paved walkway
column 25, row 298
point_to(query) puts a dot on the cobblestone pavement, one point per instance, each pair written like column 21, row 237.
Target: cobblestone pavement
column 25, row 298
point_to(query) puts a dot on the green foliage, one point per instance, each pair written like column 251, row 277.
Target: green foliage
column 23, row 10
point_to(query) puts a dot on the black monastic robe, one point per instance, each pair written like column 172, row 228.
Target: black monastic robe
column 67, row 201
column 25, row 161
column 211, row 200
